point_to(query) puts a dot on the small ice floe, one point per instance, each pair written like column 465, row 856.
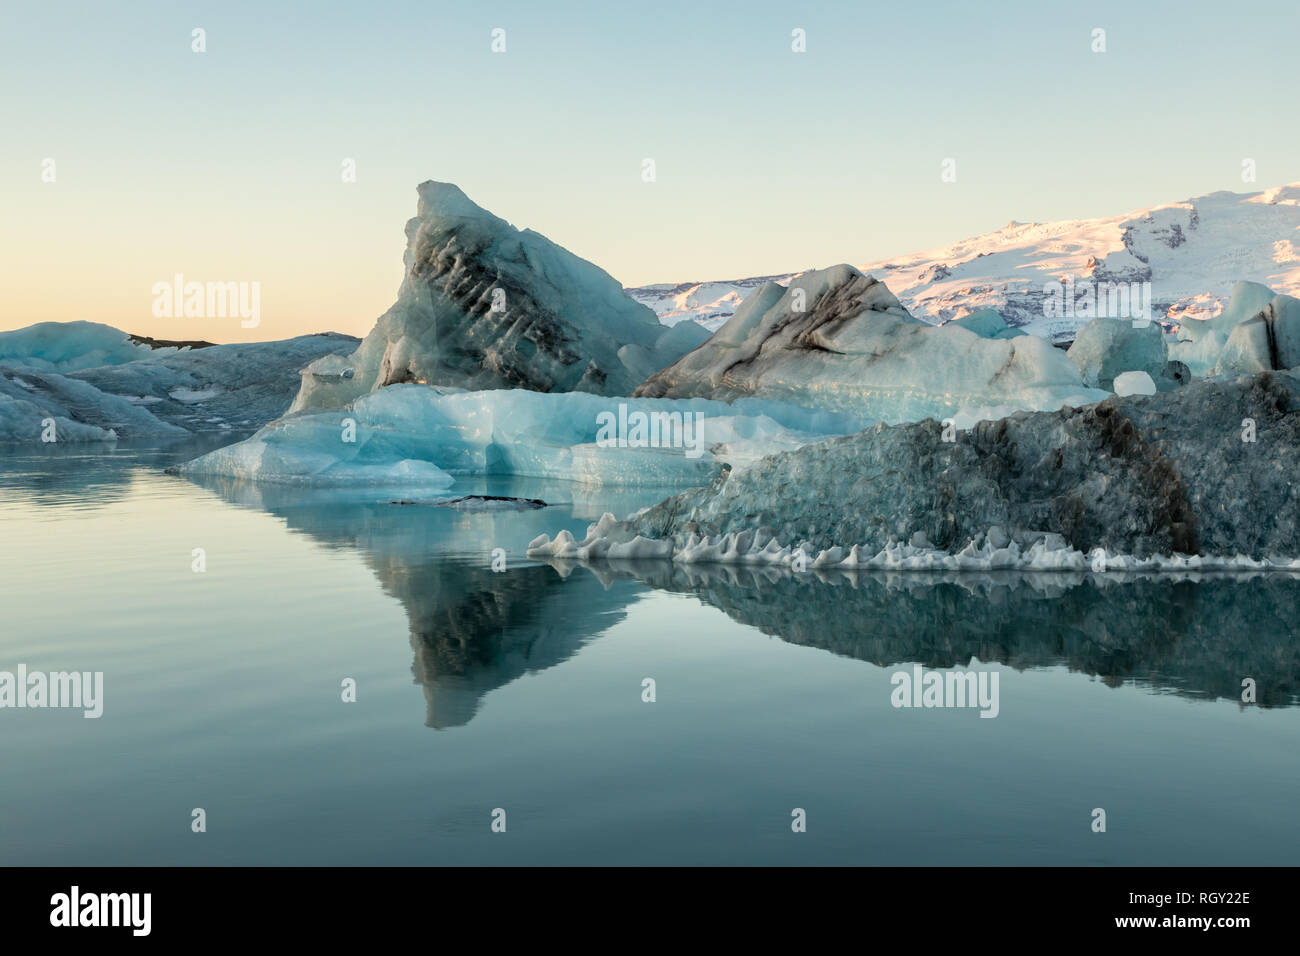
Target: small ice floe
column 142, row 399
column 192, row 396
column 477, row 503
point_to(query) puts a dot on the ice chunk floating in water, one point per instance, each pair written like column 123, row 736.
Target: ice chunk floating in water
column 486, row 305
column 837, row 339
column 572, row 435
column 1164, row 478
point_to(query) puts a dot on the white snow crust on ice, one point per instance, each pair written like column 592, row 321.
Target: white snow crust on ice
column 992, row 551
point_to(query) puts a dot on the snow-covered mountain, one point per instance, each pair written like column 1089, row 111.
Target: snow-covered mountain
column 1192, row 253
column 708, row 303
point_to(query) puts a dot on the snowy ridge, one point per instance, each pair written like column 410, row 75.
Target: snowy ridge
column 1192, row 253
column 708, row 303
column 992, row 551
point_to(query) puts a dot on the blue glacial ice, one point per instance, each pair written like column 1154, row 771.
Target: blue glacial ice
column 70, row 346
column 423, row 435
column 485, row 305
column 1105, row 348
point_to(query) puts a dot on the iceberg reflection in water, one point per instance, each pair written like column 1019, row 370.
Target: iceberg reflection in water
column 473, row 629
column 1183, row 633
column 222, row 690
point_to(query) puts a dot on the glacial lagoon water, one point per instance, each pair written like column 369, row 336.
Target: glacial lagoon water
column 523, row 690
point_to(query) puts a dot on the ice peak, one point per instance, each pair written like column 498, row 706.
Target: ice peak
column 485, row 305
column 838, row 274
column 447, row 201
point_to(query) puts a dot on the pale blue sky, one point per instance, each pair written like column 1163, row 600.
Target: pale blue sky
column 227, row 164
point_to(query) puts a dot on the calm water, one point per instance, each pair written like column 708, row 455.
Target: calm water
column 522, row 690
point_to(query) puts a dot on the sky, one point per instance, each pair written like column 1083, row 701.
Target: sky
column 227, row 165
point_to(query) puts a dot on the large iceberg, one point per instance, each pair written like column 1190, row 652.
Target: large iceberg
column 423, row 435
column 840, row 340
column 1144, row 481
column 485, row 305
